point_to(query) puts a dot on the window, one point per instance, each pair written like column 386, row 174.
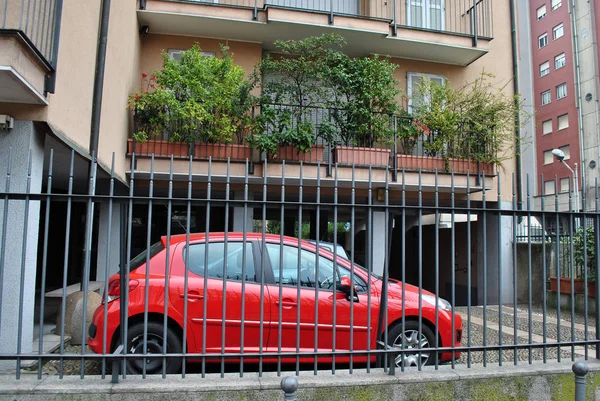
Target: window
column 567, row 151
column 541, row 12
column 544, row 69
column 561, row 91
column 558, row 31
column 548, row 157
column 549, row 188
column 564, row 184
column 308, row 263
column 175, row 54
column 546, row 127
column 416, row 98
column 145, row 255
column 542, row 40
column 426, row 14
column 563, row 121
column 556, row 4
column 216, row 260
column 560, row 61
column 546, row 98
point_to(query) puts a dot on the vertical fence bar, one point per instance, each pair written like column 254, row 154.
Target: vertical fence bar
column 484, row 229
column 420, row 269
column 63, row 309
column 475, row 25
column 280, row 284
column 572, row 268
column 317, row 281
column 299, row 267
column 23, row 264
column 529, row 278
column 4, row 226
column 386, row 272
column 585, row 282
column 453, row 264
column 335, row 261
column 515, row 284
column 437, row 267
column 544, row 275
column 107, row 265
column 186, row 272
column 206, row 250
column 597, row 264
column 352, row 256
column 500, row 267
column 44, row 264
column 147, row 269
column 370, row 263
column 167, row 268
column 403, row 306
column 558, row 271
column 469, row 246
column 244, row 267
column 225, row 273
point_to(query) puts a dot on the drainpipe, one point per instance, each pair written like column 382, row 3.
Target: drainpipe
column 95, row 132
column 594, row 32
column 515, row 55
column 579, row 108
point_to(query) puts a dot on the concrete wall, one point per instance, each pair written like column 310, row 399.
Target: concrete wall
column 537, row 272
column 18, row 271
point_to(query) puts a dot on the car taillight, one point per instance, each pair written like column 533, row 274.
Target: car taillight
column 114, row 289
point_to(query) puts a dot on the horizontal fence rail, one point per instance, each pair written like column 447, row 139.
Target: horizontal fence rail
column 460, row 17
column 201, row 273
column 37, row 20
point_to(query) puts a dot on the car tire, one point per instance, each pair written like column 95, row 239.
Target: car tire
column 411, row 332
column 154, row 337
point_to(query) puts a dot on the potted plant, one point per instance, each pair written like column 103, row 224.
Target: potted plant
column 584, row 243
column 362, row 101
column 200, row 103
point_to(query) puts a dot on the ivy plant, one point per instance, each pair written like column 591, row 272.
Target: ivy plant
column 584, row 243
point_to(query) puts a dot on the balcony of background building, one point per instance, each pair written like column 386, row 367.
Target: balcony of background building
column 29, row 35
column 401, row 155
column 444, row 31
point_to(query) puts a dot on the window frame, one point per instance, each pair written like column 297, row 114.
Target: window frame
column 561, row 181
column 555, row 4
column 549, row 92
column 564, row 60
column 545, row 71
column 543, row 15
column 551, row 157
column 555, row 29
column 551, row 127
column 563, row 85
column 567, row 153
column 255, row 257
column 558, row 128
column 553, row 188
column 411, row 76
column 172, row 52
column 544, row 36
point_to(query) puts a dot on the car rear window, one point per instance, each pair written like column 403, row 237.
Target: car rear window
column 141, row 258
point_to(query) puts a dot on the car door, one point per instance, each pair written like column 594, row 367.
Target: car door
column 227, row 287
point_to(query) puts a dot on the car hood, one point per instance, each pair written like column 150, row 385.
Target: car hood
column 411, row 292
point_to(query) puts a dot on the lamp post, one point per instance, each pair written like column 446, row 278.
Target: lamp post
column 560, row 155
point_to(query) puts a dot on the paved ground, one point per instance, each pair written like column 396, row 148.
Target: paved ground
column 543, row 330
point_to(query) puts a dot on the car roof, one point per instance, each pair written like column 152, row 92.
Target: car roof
column 231, row 236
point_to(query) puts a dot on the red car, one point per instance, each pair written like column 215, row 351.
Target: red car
column 315, row 289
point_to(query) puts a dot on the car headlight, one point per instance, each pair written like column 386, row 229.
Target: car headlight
column 442, row 303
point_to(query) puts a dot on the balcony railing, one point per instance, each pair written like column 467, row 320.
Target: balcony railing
column 37, row 22
column 471, row 18
column 396, row 144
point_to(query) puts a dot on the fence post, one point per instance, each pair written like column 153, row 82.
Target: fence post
column 580, row 369
column 289, row 385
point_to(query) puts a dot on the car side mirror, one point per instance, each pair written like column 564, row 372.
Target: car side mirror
column 347, row 288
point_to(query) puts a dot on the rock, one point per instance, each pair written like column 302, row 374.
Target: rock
column 74, row 314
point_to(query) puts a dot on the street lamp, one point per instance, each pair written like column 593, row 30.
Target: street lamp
column 560, row 155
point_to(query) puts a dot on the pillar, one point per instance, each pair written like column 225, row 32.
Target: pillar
column 238, row 213
column 20, row 140
column 108, row 222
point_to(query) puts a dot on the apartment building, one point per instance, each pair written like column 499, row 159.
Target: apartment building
column 559, row 78
column 66, row 72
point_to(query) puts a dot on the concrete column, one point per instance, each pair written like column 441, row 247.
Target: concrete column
column 20, row 141
column 113, row 241
column 379, row 244
column 238, row 213
column 498, row 241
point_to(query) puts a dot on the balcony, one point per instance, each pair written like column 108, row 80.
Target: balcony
column 442, row 31
column 403, row 157
column 28, row 45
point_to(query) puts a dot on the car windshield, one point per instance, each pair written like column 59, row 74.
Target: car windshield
column 141, row 258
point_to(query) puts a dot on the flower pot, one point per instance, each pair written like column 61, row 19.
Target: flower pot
column 290, row 153
column 222, row 151
column 361, row 156
column 158, row 148
column 410, row 162
column 592, row 290
column 565, row 285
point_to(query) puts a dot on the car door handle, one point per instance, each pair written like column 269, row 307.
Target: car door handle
column 192, row 296
column 287, row 304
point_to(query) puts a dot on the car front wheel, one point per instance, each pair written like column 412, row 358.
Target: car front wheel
column 409, row 338
column 154, row 345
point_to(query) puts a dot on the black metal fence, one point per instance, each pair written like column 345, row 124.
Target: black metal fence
column 473, row 18
column 432, row 273
column 38, row 21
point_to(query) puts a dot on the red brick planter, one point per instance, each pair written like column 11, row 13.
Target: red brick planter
column 362, row 156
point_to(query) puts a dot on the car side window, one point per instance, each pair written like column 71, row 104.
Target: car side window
column 308, row 267
column 216, row 260
column 359, row 283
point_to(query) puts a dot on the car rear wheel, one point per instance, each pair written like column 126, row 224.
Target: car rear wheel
column 154, row 345
column 409, row 338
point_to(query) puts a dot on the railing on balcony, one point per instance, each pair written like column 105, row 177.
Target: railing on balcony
column 37, row 21
column 459, row 17
column 396, row 143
